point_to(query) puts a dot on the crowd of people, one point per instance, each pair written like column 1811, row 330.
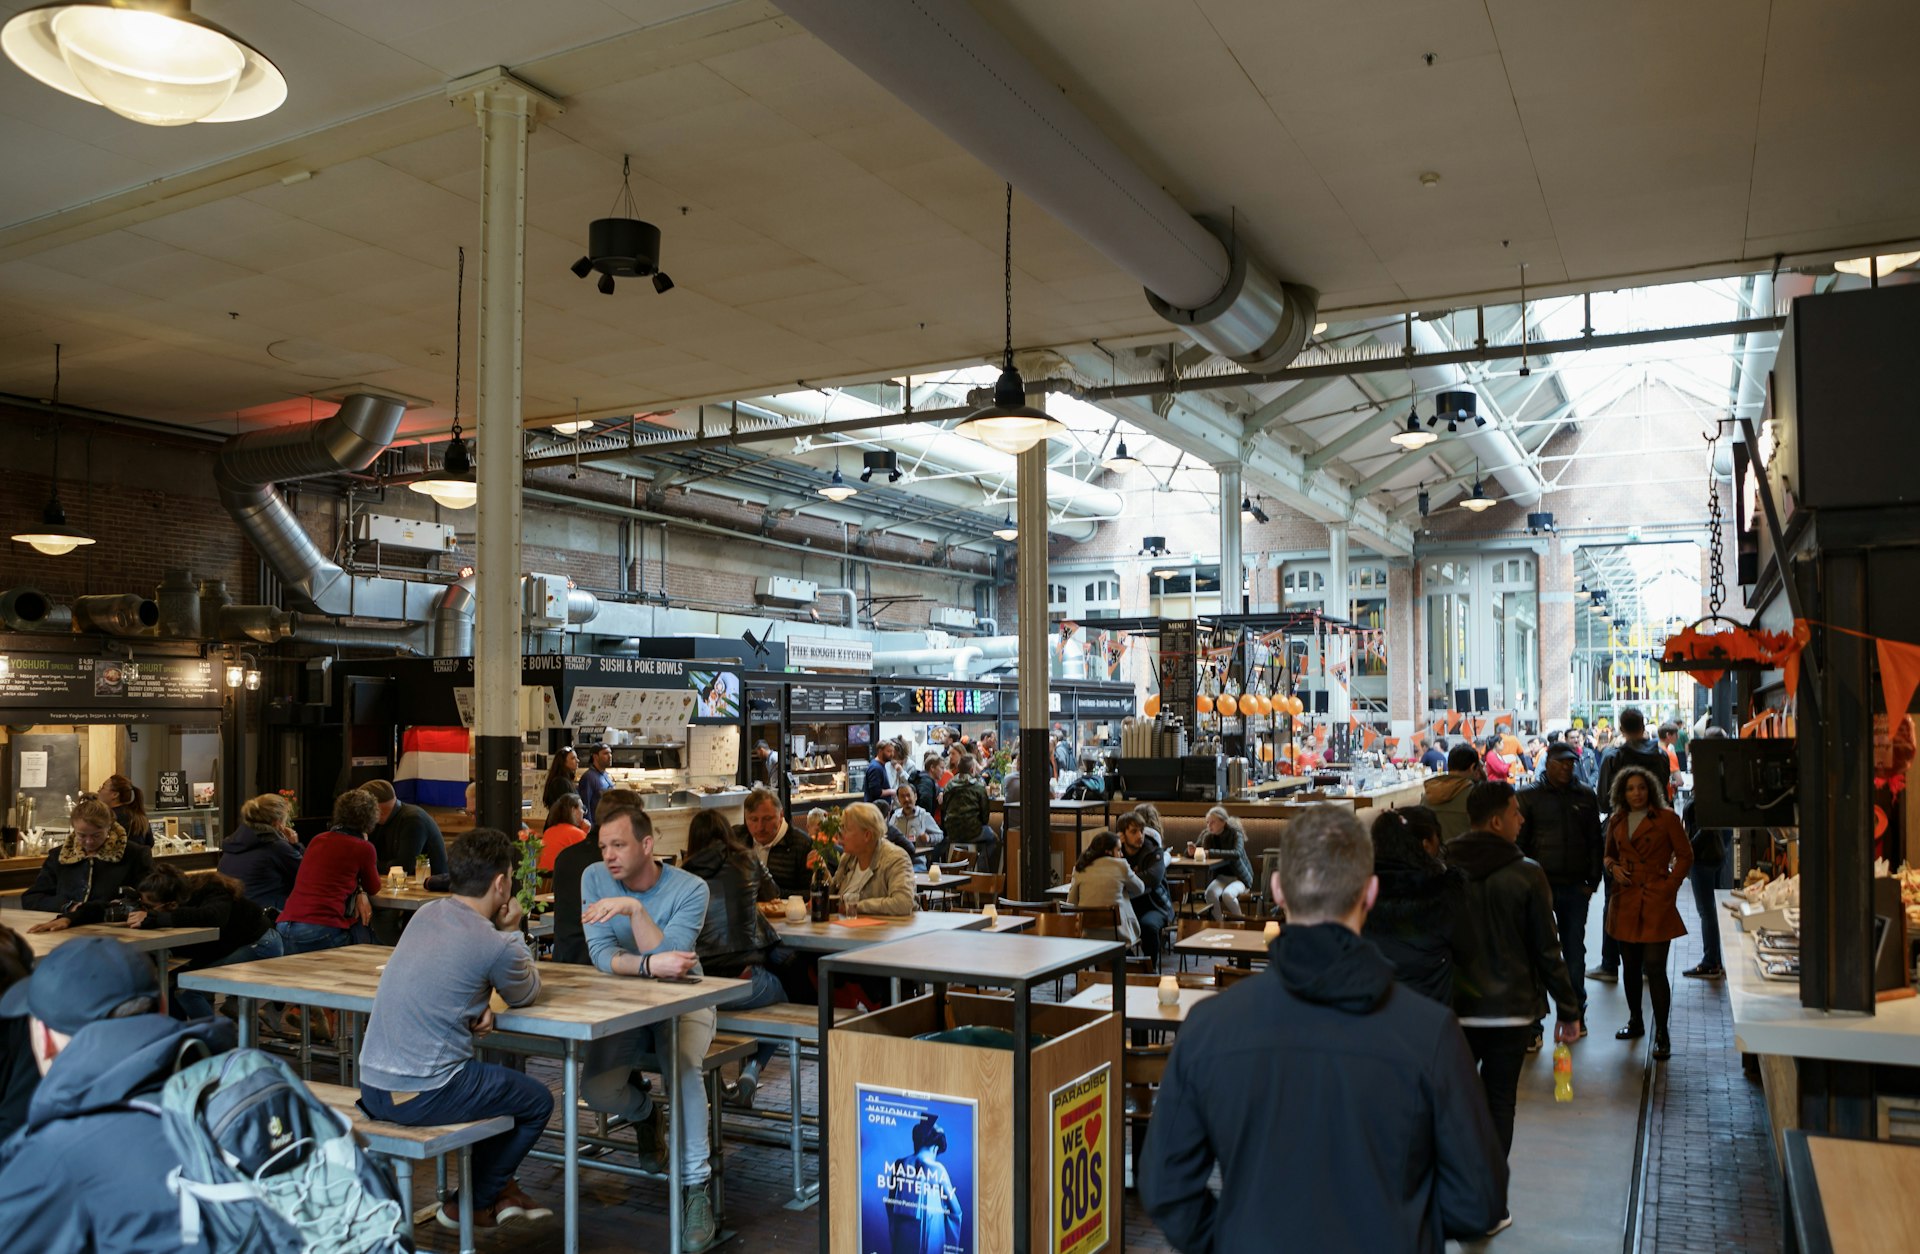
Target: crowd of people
column 1381, row 1079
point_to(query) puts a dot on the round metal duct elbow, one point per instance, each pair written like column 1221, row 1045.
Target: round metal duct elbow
column 453, row 619
column 582, row 606
column 1256, row 321
column 29, row 609
column 121, row 615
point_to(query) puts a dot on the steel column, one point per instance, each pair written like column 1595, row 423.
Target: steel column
column 1232, row 565
column 1034, row 762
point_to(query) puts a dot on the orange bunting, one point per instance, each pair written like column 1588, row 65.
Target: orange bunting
column 1899, row 676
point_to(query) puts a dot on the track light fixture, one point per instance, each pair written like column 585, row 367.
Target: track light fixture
column 621, row 244
column 883, row 460
column 1009, row 424
column 1539, row 522
column 1122, row 462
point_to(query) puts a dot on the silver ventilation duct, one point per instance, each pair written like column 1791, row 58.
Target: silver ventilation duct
column 950, row 66
column 122, row 614
column 348, row 440
column 29, row 609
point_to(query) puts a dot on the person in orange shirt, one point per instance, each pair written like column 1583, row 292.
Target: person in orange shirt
column 565, row 826
column 1669, row 734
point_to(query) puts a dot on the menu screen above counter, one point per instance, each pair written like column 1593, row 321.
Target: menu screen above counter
column 1091, row 705
column 61, row 688
column 815, row 699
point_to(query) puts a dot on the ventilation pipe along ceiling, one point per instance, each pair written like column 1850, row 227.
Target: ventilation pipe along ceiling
column 949, row 65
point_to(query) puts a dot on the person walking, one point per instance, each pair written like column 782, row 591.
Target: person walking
column 1634, row 748
column 1446, row 795
column 1648, row 856
column 1560, row 829
column 1321, row 1073
column 1510, row 960
column 1413, row 920
column 1708, row 873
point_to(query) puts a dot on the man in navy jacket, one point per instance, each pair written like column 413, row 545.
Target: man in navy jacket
column 1361, row 1096
column 88, row 1172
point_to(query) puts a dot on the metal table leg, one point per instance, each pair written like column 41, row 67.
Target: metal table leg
column 403, row 1185
column 676, row 1134
column 160, row 961
column 466, row 1199
column 249, row 1032
column 570, row 1133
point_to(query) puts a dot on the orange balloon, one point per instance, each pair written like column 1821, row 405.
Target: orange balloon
column 1204, row 704
column 1263, row 706
column 1295, row 706
column 1225, row 704
column 1152, row 705
column 1290, row 752
column 1249, row 704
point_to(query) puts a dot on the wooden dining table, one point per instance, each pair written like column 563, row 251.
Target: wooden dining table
column 837, row 935
column 1241, row 947
column 157, row 941
column 576, row 1005
column 1143, row 1008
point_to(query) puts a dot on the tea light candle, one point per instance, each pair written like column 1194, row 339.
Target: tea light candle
column 1169, row 991
column 991, row 911
column 933, row 873
column 1271, row 930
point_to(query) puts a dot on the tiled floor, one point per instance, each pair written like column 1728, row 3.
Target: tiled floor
column 1710, row 1179
column 1708, row 1183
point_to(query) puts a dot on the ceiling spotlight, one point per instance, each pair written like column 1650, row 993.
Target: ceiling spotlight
column 621, row 244
column 1479, row 502
column 1415, row 436
column 1153, row 546
column 880, row 459
column 1009, row 424
column 1426, row 502
column 1867, row 267
column 1319, row 328
column 150, row 61
column 1251, row 512
column 1539, row 522
column 1122, row 462
column 838, row 489
column 1006, row 530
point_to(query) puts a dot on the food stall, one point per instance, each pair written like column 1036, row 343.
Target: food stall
column 831, row 727
column 931, row 708
column 73, row 713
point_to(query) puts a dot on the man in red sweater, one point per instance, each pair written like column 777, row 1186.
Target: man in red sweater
column 337, row 879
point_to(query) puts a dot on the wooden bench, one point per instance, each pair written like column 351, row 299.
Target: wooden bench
column 797, row 1026
column 403, row 1145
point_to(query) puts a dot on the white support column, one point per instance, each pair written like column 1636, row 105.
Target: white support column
column 1339, row 601
column 1032, row 758
column 507, row 111
column 1231, row 564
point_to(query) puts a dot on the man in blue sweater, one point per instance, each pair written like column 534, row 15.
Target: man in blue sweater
column 642, row 918
column 419, row 1064
column 595, row 781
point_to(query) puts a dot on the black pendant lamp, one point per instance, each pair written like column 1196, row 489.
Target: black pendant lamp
column 55, row 535
column 1009, row 424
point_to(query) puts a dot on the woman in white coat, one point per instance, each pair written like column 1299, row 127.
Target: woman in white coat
column 1103, row 878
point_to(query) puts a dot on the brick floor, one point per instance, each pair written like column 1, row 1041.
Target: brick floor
column 1711, row 1181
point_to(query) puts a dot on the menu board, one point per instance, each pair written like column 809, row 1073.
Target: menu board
column 648, row 713
column 1100, row 705
column 64, row 688
column 810, row 699
column 1179, row 668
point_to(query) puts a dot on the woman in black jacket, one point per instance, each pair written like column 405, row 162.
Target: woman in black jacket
column 1154, row 906
column 560, row 777
column 1413, row 919
column 209, row 899
column 1232, row 876
column 129, row 808
column 263, row 853
column 736, row 940
column 95, row 865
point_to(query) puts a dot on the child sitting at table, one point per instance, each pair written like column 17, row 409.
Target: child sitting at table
column 419, row 1065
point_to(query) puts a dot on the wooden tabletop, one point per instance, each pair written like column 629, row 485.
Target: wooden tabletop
column 575, row 1003
column 1143, row 1004
column 1000, row 960
column 832, row 937
column 1228, row 942
column 413, row 897
column 145, row 940
column 1201, row 863
column 1060, row 890
column 1860, row 1197
column 1011, row 923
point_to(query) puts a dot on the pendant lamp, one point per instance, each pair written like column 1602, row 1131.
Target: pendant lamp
column 1009, row 424
column 55, row 535
column 455, row 487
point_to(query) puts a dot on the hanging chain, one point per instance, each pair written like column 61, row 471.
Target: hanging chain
column 1007, row 264
column 459, row 313
column 1717, row 582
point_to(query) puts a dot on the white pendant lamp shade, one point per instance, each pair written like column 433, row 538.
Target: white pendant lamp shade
column 1866, row 267
column 1414, row 436
column 153, row 62
column 1006, row 530
column 1009, row 424
column 1122, row 462
column 838, row 489
column 55, row 535
column 454, row 487
column 1479, row 502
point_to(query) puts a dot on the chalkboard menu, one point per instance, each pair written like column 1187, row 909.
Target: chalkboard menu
column 1102, row 705
column 1179, row 668
column 63, row 688
column 809, row 699
column 172, row 791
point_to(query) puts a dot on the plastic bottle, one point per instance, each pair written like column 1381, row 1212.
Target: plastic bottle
column 1562, row 1073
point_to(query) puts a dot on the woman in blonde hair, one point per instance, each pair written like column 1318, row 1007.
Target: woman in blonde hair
column 874, row 876
column 263, row 853
column 93, row 866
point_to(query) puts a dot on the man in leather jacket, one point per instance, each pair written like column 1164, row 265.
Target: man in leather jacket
column 1560, row 829
column 782, row 847
column 1511, row 960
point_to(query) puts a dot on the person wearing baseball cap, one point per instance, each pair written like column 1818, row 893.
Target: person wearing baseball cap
column 1560, row 829
column 89, row 1171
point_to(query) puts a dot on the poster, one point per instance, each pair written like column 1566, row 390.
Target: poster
column 719, row 693
column 172, row 792
column 919, row 1172
column 1077, row 1127
column 33, row 769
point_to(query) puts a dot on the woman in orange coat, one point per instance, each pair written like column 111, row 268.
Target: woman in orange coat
column 1648, row 856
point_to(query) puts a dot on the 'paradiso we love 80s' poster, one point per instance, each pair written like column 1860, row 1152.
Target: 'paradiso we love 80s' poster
column 919, row 1172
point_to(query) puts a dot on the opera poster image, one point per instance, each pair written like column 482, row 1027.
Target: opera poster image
column 719, row 693
column 919, row 1172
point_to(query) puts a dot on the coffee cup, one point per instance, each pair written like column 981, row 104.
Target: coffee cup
column 796, row 909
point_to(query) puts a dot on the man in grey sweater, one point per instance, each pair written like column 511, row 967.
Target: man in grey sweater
column 419, row 1064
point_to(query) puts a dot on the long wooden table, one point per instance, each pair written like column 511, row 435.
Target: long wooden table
column 1851, row 1197
column 1143, row 1008
column 575, row 1005
column 833, row 937
column 156, row 941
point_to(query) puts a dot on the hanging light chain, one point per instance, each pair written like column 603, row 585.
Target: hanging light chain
column 1717, row 582
column 459, row 318
column 1007, row 264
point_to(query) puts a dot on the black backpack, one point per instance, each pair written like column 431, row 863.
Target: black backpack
column 926, row 793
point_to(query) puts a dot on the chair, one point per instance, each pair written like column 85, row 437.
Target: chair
column 959, row 866
column 1226, row 974
column 978, row 889
column 1141, row 1069
column 1006, row 905
column 1100, row 922
column 1059, row 924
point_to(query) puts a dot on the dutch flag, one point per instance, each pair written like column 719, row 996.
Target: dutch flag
column 433, row 767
